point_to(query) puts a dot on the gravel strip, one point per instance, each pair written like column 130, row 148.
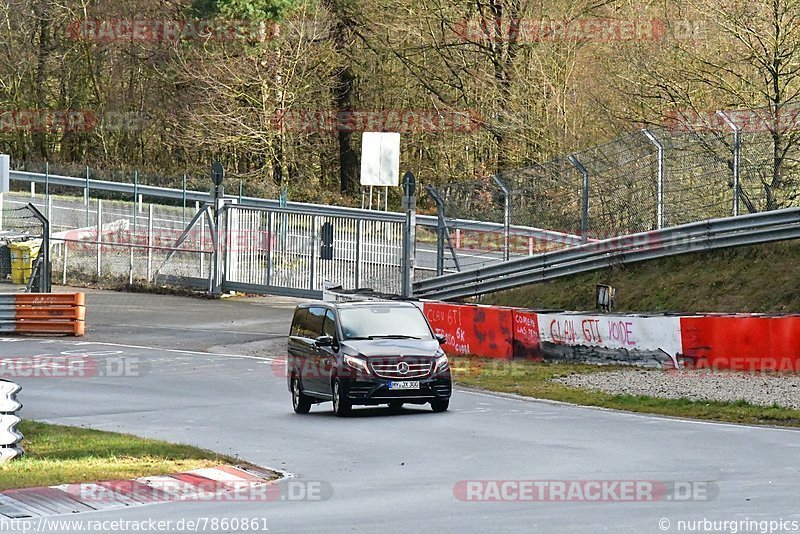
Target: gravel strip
column 760, row 389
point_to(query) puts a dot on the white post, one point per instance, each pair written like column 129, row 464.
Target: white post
column 99, row 234
column 33, row 189
column 65, row 244
column 149, row 243
column 5, row 163
column 202, row 241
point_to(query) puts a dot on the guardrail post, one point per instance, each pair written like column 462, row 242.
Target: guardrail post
column 660, row 179
column 736, row 152
column 584, row 197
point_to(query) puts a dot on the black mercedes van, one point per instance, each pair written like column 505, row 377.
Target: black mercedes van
column 365, row 353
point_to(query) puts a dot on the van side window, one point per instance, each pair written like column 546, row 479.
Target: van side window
column 329, row 328
column 313, row 323
column 298, row 322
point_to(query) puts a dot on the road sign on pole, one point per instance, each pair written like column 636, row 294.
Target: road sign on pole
column 380, row 159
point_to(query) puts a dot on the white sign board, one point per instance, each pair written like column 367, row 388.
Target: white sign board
column 612, row 332
column 380, row 158
column 4, row 175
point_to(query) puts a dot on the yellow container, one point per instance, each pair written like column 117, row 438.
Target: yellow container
column 22, row 256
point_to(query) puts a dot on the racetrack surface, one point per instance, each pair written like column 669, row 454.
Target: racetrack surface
column 389, row 473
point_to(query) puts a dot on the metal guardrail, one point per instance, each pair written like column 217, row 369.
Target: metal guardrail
column 202, row 196
column 693, row 237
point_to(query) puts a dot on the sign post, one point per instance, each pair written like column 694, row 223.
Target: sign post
column 409, row 233
column 217, row 195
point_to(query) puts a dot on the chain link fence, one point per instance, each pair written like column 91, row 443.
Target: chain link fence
column 663, row 176
column 97, row 240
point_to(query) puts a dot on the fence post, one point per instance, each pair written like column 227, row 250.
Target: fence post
column 660, row 178
column 86, row 196
column 5, row 163
column 506, row 218
column 584, row 197
column 202, row 241
column 409, row 235
column 149, row 243
column 99, row 234
column 270, row 237
column 46, row 180
column 183, row 198
column 313, row 251
column 736, row 151
column 359, row 235
column 65, row 244
column 133, row 235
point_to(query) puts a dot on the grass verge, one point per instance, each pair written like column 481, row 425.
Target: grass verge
column 758, row 278
column 533, row 379
column 56, row 454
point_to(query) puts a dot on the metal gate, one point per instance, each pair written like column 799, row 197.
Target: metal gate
column 297, row 251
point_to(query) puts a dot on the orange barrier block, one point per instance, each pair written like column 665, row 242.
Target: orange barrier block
column 51, row 299
column 50, row 313
column 71, row 328
column 77, row 313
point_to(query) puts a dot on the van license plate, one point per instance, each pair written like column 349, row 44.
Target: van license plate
column 406, row 384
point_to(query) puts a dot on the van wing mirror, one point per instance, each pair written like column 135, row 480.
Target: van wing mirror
column 441, row 338
column 324, row 341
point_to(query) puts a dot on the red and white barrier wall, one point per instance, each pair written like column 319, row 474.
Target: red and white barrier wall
column 741, row 342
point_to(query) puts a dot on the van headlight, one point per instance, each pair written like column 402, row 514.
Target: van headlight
column 442, row 364
column 356, row 363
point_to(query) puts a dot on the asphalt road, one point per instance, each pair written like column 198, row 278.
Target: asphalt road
column 389, row 473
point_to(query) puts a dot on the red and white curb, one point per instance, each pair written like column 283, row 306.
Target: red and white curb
column 222, row 483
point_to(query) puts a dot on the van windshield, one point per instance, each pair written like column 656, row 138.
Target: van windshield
column 384, row 322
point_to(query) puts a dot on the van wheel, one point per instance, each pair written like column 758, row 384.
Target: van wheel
column 440, row 405
column 300, row 402
column 341, row 405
